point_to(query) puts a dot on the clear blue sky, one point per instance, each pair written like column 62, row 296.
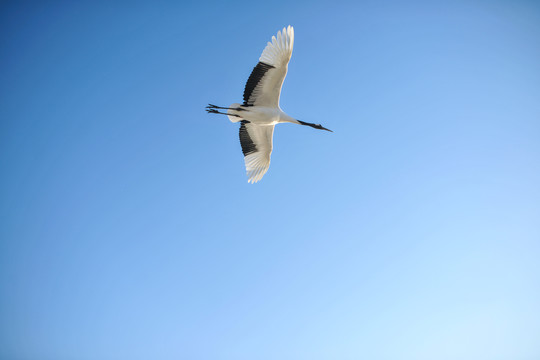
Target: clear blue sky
column 129, row 231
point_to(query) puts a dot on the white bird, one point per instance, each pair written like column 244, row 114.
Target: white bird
column 260, row 111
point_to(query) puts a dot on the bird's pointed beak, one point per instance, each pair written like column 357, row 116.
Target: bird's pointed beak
column 323, row 128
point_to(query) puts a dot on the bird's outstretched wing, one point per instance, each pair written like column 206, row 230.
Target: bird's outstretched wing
column 256, row 141
column 264, row 84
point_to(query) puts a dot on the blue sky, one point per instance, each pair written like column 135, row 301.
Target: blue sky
column 129, row 230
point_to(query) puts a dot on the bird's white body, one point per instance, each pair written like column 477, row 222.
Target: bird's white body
column 260, row 111
column 260, row 115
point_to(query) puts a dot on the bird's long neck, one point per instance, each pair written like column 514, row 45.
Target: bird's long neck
column 286, row 118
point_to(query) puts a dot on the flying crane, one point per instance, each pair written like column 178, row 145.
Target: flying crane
column 260, row 111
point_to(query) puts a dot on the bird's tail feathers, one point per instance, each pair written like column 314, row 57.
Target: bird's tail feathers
column 234, row 115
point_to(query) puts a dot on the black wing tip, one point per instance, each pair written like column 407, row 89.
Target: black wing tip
column 256, row 75
column 248, row 146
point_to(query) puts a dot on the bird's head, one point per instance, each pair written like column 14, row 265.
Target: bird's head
column 315, row 126
column 320, row 127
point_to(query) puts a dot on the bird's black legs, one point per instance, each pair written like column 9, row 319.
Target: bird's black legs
column 210, row 106
column 214, row 111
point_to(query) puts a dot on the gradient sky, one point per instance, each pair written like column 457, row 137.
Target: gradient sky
column 129, row 230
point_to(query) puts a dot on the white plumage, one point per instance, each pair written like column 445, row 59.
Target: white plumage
column 260, row 111
column 277, row 54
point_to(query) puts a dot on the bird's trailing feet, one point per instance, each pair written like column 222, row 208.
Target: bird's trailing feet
column 210, row 106
column 214, row 111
